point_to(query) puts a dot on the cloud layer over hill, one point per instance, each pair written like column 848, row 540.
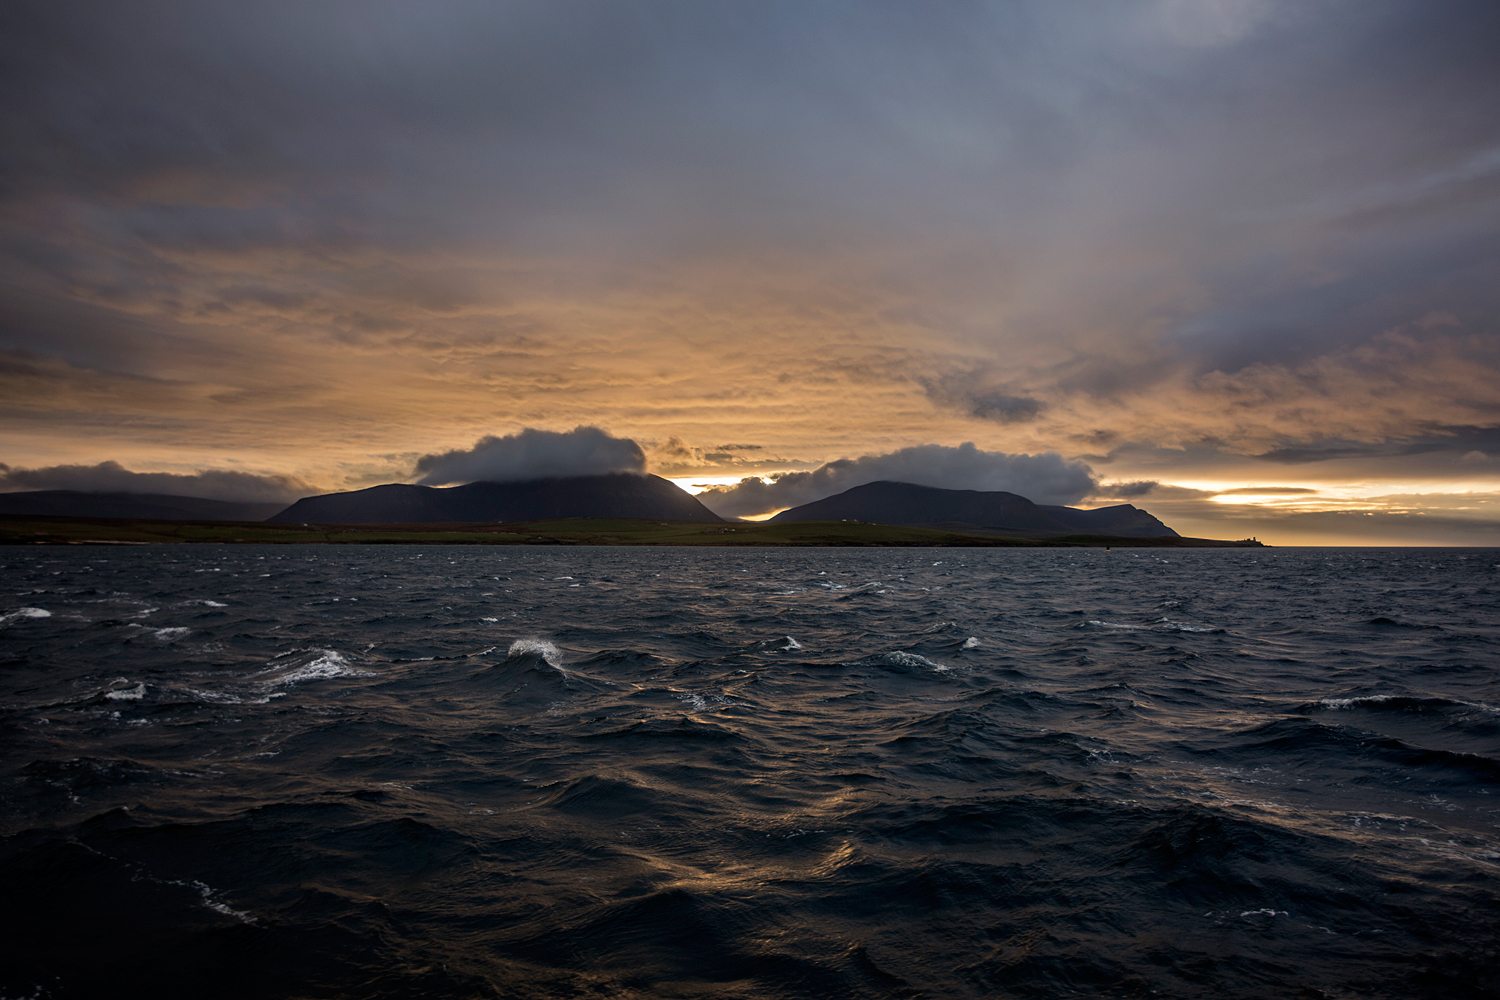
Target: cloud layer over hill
column 1046, row 479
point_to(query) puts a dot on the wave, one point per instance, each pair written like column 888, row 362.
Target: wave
column 784, row 644
column 1382, row 622
column 903, row 660
column 1396, row 703
column 326, row 664
column 21, row 614
column 1160, row 625
column 1333, row 744
column 538, row 649
column 127, row 694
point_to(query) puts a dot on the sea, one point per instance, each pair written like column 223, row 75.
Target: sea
column 402, row 771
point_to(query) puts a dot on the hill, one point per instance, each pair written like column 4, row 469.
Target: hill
column 616, row 495
column 975, row 511
column 140, row 506
column 19, row 530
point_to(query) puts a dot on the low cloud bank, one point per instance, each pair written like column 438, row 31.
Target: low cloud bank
column 1047, row 478
column 112, row 477
column 533, row 454
column 1132, row 490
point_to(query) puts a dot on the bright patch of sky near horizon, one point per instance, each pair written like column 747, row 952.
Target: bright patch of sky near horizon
column 1214, row 244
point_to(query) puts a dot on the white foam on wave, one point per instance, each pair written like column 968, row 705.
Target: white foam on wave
column 171, row 634
column 127, row 694
column 972, row 642
column 901, row 658
column 227, row 698
column 20, row 613
column 1344, row 704
column 535, row 647
column 1161, row 625
column 1116, row 625
column 327, row 665
column 1167, row 625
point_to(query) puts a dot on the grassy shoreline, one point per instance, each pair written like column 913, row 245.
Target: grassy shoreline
column 18, row 529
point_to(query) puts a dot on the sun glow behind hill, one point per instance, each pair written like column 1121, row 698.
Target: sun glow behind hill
column 1308, row 512
column 1333, row 513
column 697, row 484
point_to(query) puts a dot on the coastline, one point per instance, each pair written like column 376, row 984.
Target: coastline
column 51, row 530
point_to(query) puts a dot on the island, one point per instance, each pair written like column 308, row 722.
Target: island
column 43, row 530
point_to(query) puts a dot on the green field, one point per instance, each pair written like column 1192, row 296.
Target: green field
column 23, row 530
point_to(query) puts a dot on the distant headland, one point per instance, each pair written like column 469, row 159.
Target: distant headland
column 37, row 530
column 614, row 509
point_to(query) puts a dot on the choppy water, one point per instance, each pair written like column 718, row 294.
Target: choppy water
column 401, row 772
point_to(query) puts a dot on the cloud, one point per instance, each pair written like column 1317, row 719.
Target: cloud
column 111, row 477
column 1046, row 478
column 970, row 393
column 303, row 235
column 533, row 454
column 1125, row 490
column 1471, row 518
column 1266, row 491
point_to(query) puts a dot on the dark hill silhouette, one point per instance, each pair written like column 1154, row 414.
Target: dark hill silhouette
column 972, row 510
column 138, row 506
column 620, row 494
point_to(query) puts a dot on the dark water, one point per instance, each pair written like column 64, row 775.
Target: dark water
column 430, row 772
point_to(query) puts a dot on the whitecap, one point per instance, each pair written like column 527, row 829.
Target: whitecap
column 540, row 648
column 1167, row 625
column 327, row 665
column 20, row 613
column 127, row 694
column 972, row 642
column 901, row 658
column 1420, row 701
column 1114, row 625
column 784, row 644
column 171, row 634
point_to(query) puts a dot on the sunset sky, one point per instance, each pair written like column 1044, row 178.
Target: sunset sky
column 1234, row 261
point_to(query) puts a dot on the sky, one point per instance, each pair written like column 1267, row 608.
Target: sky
column 1234, row 261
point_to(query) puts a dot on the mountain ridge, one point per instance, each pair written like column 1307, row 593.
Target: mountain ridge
column 911, row 505
column 617, row 494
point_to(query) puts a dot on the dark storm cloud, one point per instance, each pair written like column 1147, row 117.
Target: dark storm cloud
column 1046, row 479
column 533, row 454
column 111, row 477
column 236, row 124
